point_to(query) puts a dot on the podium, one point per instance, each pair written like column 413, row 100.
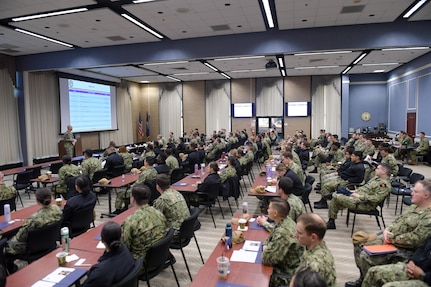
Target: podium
column 77, row 151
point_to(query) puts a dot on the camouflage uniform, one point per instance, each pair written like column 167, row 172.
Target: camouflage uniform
column 90, row 166
column 6, row 192
column 249, row 157
column 128, row 161
column 296, row 159
column 123, row 196
column 266, row 149
column 296, row 209
column 148, row 154
column 298, row 170
column 172, row 162
column 319, row 260
column 255, row 148
column 410, row 283
column 369, row 150
column 392, row 162
column 229, row 171
column 142, row 229
column 405, row 141
column 373, row 192
column 173, row 205
column 409, row 231
column 68, row 145
column 43, row 217
column 282, row 251
column 422, row 149
column 66, row 171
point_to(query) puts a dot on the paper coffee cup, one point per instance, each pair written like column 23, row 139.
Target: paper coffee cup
column 61, row 257
column 242, row 222
column 58, row 201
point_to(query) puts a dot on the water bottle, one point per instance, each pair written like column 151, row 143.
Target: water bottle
column 196, row 169
column 268, row 170
column 65, row 239
column 245, row 207
column 123, row 177
column 6, row 212
column 202, row 169
column 79, row 168
column 229, row 233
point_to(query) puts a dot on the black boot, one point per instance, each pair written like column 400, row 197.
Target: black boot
column 314, row 170
column 328, row 196
column 322, row 205
column 356, row 283
column 331, row 224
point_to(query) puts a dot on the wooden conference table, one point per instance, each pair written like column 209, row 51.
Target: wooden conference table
column 246, row 274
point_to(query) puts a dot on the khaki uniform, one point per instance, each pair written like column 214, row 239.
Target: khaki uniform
column 43, row 217
column 409, row 231
column 68, row 145
column 142, row 229
column 282, row 251
column 6, row 192
column 90, row 166
column 370, row 195
column 173, row 205
column 320, row 260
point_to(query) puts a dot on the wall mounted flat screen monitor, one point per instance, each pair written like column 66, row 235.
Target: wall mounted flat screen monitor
column 243, row 110
column 87, row 105
column 298, row 109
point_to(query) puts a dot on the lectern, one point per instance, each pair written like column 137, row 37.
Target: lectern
column 77, row 152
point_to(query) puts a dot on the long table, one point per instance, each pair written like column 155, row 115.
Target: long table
column 248, row 274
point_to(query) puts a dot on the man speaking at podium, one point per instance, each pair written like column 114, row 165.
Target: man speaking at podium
column 69, row 141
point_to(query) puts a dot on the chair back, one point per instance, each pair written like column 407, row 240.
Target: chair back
column 233, row 186
column 306, row 194
column 177, row 174
column 3, row 244
column 213, row 191
column 405, row 171
column 187, row 227
column 70, row 187
column 309, row 179
column 41, row 241
column 415, row 177
column 23, row 178
column 55, row 167
column 81, row 220
column 158, row 253
column 132, row 279
column 99, row 174
column 10, row 201
column 151, row 184
column 137, row 164
column 117, row 170
column 36, row 172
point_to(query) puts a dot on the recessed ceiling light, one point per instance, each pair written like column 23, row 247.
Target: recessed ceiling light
column 378, row 71
column 64, row 12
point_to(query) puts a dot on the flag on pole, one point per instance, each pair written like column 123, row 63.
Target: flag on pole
column 147, row 125
column 140, row 128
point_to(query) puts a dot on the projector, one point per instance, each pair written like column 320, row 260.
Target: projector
column 271, row 64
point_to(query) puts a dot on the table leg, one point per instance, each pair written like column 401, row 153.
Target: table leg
column 109, row 214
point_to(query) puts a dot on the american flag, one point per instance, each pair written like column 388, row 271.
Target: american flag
column 140, row 128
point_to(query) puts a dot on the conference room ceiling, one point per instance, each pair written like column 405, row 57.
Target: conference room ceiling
column 103, row 25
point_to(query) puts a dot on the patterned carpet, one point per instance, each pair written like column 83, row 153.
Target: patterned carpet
column 338, row 241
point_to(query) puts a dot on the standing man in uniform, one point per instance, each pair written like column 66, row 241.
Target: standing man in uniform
column 366, row 197
column 69, row 141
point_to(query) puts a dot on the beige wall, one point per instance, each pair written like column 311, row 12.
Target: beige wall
column 145, row 99
column 243, row 91
column 297, row 89
column 194, row 106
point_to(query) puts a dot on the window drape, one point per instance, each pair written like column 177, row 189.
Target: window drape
column 171, row 109
column 9, row 121
column 269, row 97
column 218, row 111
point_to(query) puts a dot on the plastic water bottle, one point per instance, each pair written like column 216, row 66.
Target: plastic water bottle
column 202, row 169
column 229, row 233
column 196, row 169
column 65, row 239
column 6, row 212
column 79, row 167
column 123, row 177
column 245, row 207
column 268, row 170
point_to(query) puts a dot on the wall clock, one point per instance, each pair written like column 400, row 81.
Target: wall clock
column 366, row 116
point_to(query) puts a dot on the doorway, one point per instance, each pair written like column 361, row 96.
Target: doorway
column 263, row 124
column 411, row 125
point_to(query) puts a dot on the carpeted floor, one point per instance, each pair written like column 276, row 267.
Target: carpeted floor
column 338, row 240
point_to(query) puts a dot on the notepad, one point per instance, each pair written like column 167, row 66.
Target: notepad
column 180, row 184
column 379, row 249
column 271, row 188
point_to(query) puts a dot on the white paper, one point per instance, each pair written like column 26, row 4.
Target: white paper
column 271, row 188
column 58, row 274
column 100, row 245
column 243, row 256
column 251, row 245
column 43, row 284
column 71, row 258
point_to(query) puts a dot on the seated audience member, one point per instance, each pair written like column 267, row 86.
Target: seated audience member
column 161, row 166
column 296, row 207
column 310, row 230
column 145, row 226
column 115, row 263
column 407, row 233
column 287, row 159
column 171, row 160
column 123, row 196
column 212, row 179
column 284, row 171
column 353, row 174
column 171, row 203
column 281, row 249
column 127, row 158
column 157, row 148
column 366, row 197
column 405, row 141
column 414, row 272
column 304, row 154
column 6, row 192
column 181, row 147
column 148, row 152
column 84, row 199
column 307, row 278
column 113, row 160
column 422, row 149
column 66, row 171
column 389, row 159
column 46, row 215
column 90, row 164
column 229, row 170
